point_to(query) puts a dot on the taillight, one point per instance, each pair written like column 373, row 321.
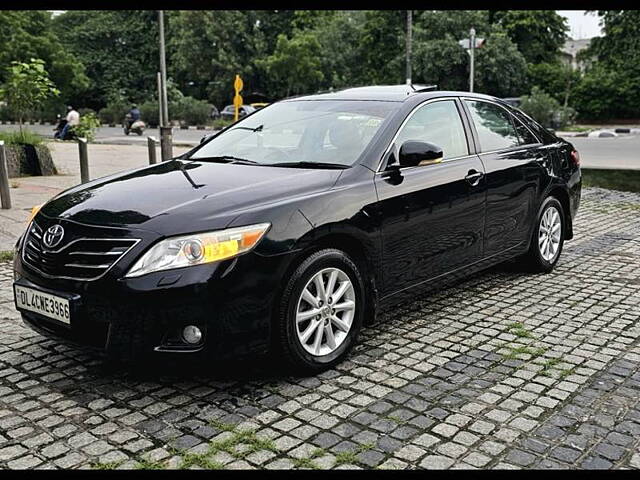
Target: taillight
column 575, row 158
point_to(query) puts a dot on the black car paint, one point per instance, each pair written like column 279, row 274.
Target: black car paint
column 411, row 229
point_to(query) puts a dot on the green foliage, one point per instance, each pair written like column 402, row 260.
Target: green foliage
column 114, row 112
column 26, row 34
column 26, row 87
column 89, row 123
column 294, row 67
column 540, row 106
column 545, row 109
column 150, row 113
column 501, row 68
column 119, row 49
column 539, row 34
column 442, row 62
column 555, row 78
column 191, row 111
column 6, row 256
column 21, row 137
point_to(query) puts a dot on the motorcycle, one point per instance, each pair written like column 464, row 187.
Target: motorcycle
column 62, row 121
column 130, row 126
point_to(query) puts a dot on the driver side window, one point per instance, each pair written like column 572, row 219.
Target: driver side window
column 438, row 123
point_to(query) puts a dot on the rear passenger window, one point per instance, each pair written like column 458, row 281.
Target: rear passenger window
column 494, row 126
column 524, row 134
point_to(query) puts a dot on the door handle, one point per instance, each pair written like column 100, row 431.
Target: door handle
column 473, row 177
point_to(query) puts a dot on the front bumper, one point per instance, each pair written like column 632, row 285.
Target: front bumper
column 231, row 302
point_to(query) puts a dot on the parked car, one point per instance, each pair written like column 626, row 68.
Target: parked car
column 229, row 112
column 288, row 231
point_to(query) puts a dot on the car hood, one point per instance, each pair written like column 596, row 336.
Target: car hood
column 196, row 195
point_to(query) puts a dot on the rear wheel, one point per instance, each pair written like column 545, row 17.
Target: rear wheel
column 547, row 239
column 321, row 311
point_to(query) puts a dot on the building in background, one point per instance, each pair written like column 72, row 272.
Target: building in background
column 570, row 51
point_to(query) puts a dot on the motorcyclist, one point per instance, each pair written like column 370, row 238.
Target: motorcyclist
column 133, row 115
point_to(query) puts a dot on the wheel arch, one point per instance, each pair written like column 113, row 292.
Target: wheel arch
column 356, row 247
column 562, row 195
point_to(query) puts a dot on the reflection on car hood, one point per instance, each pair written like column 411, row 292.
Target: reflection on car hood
column 199, row 195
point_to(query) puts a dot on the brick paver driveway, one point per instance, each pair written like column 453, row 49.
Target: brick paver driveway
column 504, row 370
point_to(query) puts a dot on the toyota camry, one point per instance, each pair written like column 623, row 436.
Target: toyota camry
column 289, row 230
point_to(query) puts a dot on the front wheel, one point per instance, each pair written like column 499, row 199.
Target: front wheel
column 321, row 311
column 547, row 239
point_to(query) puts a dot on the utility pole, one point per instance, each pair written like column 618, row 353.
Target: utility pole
column 472, row 45
column 409, row 28
column 165, row 129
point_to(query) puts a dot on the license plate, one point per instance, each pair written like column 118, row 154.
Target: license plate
column 45, row 304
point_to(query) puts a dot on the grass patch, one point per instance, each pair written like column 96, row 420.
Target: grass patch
column 6, row 255
column 398, row 420
column 566, row 372
column 24, row 137
column 518, row 329
column 624, row 180
column 144, row 464
column 514, row 352
column 350, row 456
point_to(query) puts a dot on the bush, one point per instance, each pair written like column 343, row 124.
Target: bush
column 113, row 113
column 219, row 123
column 546, row 109
column 89, row 123
column 191, row 111
column 149, row 112
column 21, row 137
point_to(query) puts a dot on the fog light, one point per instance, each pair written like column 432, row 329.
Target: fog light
column 191, row 334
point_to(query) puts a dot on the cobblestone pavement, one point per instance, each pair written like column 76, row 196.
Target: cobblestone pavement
column 504, row 370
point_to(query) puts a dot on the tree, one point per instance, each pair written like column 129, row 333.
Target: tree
column 294, row 66
column 119, row 49
column 539, row 34
column 26, row 87
column 500, row 67
column 27, row 34
column 443, row 63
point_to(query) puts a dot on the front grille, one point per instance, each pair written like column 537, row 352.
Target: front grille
column 78, row 259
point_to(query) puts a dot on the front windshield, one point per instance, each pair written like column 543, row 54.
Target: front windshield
column 302, row 131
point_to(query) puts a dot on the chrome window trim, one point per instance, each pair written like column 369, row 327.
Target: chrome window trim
column 411, row 113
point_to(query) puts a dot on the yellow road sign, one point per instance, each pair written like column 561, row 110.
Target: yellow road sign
column 237, row 100
column 237, row 84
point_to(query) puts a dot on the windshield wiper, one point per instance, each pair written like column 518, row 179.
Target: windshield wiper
column 302, row 164
column 226, row 159
column 257, row 129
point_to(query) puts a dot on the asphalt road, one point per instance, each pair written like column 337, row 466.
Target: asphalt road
column 621, row 152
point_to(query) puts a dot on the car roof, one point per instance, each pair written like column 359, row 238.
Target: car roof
column 389, row 93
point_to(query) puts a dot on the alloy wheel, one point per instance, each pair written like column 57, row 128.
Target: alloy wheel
column 549, row 234
column 325, row 311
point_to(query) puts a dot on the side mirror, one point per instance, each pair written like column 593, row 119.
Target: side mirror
column 414, row 153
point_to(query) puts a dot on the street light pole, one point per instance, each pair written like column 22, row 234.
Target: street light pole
column 409, row 28
column 166, row 148
column 472, row 46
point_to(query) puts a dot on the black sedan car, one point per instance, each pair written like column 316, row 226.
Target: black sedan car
column 290, row 229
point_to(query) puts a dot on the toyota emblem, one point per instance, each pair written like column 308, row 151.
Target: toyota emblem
column 53, row 236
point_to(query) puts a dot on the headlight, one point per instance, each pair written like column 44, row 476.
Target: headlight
column 198, row 248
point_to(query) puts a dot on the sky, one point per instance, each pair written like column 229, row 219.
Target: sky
column 581, row 25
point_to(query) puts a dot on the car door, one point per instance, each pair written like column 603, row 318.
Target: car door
column 432, row 216
column 515, row 161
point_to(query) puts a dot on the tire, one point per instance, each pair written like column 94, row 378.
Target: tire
column 126, row 131
column 538, row 259
column 307, row 357
column 139, row 132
